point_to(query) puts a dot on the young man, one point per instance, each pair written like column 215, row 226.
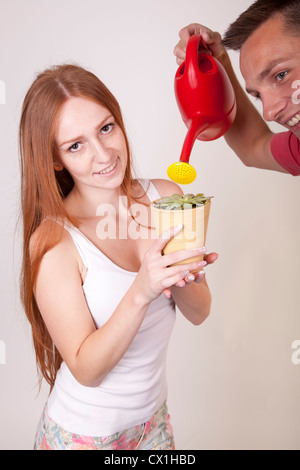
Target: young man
column 267, row 35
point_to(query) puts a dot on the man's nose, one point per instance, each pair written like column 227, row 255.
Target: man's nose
column 273, row 105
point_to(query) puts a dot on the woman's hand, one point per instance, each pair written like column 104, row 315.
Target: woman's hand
column 212, row 40
column 157, row 275
column 198, row 277
column 194, row 301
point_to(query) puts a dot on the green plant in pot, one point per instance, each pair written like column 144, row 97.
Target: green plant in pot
column 191, row 211
column 179, row 202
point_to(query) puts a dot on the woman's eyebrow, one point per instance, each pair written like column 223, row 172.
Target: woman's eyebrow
column 75, row 139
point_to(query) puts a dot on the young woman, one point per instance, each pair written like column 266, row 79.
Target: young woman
column 101, row 307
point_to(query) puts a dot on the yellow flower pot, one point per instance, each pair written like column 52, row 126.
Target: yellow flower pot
column 193, row 233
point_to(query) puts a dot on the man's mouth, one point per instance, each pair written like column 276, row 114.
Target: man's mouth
column 294, row 121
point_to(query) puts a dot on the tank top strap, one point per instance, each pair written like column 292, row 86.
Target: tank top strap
column 79, row 240
column 149, row 189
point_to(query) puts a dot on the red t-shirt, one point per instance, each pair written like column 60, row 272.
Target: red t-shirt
column 285, row 148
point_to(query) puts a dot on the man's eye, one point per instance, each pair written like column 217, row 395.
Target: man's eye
column 280, row 76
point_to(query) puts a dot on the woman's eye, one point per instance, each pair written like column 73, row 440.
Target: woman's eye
column 107, row 128
column 74, row 147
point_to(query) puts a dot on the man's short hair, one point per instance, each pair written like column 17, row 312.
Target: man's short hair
column 259, row 12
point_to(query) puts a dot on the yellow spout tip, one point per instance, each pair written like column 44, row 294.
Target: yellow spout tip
column 182, row 173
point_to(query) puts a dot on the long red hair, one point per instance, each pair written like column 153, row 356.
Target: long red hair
column 43, row 189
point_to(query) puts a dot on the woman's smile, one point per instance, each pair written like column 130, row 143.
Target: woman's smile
column 110, row 170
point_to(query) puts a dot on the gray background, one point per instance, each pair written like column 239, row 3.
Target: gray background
column 232, row 382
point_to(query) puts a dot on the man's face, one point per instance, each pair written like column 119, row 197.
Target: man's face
column 270, row 65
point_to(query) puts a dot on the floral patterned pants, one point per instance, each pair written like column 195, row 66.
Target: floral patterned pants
column 155, row 434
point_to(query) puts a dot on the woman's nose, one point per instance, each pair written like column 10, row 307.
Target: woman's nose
column 101, row 152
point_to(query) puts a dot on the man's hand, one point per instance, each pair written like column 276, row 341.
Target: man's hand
column 212, row 41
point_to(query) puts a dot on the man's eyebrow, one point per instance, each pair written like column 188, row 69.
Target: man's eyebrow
column 248, row 90
column 265, row 72
column 269, row 68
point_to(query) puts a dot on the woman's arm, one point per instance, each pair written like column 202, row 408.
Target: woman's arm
column 192, row 296
column 193, row 300
column 91, row 353
column 88, row 352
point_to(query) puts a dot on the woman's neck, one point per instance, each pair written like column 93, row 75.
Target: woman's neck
column 84, row 204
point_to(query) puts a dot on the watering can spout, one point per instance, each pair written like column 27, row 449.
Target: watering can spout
column 192, row 134
column 205, row 99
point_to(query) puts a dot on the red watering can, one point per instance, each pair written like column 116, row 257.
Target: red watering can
column 206, row 101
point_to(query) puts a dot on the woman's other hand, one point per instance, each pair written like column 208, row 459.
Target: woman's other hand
column 157, row 273
column 198, row 277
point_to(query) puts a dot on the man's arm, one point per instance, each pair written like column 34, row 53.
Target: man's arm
column 249, row 136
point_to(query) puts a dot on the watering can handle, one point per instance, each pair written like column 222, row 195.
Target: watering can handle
column 192, row 51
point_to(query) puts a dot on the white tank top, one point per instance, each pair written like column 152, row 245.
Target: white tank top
column 134, row 390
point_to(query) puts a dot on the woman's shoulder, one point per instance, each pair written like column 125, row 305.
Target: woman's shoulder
column 53, row 248
column 51, row 239
column 166, row 187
